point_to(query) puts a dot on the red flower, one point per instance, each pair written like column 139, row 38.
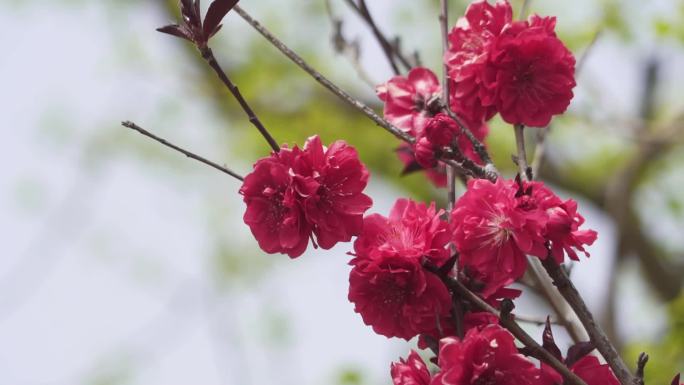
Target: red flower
column 493, row 233
column 274, row 214
column 532, row 72
column 563, row 231
column 387, row 284
column 588, row 368
column 487, row 356
column 406, row 98
column 296, row 192
column 412, row 231
column 469, row 45
column 562, row 226
column 396, row 297
column 332, row 190
column 411, row 371
column 441, row 131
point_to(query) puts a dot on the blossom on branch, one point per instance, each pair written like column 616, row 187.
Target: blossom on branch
column 387, row 284
column 297, row 192
column 484, row 356
column 407, row 99
column 532, row 72
column 470, row 43
column 274, row 213
column 517, row 68
column 493, row 234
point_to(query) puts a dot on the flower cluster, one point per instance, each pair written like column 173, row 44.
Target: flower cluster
column 409, row 268
column 517, row 68
column 413, row 104
column 299, row 192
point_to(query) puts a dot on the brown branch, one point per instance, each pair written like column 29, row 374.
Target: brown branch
column 507, row 321
column 521, row 157
column 465, row 165
column 322, row 79
column 596, row 334
column 185, row 152
column 535, row 268
column 444, row 28
column 208, row 55
column 539, row 150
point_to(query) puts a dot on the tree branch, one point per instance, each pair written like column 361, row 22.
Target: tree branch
column 208, row 55
column 391, row 51
column 187, row 153
column 466, row 165
column 596, row 334
column 444, row 28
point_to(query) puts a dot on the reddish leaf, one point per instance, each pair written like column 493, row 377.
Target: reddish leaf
column 577, row 351
column 216, row 31
column 217, row 11
column 675, row 380
column 176, row 30
column 549, row 343
column 411, row 168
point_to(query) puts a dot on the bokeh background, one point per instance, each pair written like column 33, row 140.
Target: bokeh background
column 125, row 263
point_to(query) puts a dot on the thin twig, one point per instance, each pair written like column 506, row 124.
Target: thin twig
column 351, row 50
column 479, row 148
column 467, row 166
column 566, row 317
column 641, row 365
column 185, row 152
column 322, row 79
column 539, row 150
column 457, row 311
column 444, row 28
column 536, row 270
column 583, row 59
column 391, row 51
column 208, row 55
column 521, row 157
column 596, row 334
column 508, row 321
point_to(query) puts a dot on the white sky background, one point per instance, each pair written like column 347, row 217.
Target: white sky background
column 105, row 271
